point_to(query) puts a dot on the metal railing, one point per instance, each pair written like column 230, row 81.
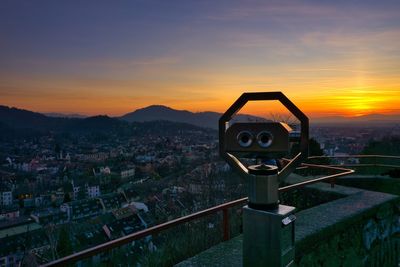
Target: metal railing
column 223, row 207
column 151, row 231
column 375, row 159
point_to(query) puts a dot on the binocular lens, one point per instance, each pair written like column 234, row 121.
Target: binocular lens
column 264, row 139
column 245, row 139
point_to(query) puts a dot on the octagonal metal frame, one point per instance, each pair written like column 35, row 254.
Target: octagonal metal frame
column 264, row 96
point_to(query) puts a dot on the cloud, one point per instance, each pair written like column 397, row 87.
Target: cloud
column 131, row 63
column 387, row 39
column 307, row 11
column 255, row 10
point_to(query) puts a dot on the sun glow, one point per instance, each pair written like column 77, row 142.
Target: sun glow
column 326, row 65
column 359, row 105
column 362, row 102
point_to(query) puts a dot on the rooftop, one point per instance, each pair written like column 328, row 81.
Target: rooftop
column 349, row 216
column 20, row 229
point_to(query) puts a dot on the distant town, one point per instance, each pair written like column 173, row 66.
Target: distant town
column 70, row 184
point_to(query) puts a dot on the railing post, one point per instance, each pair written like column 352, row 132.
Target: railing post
column 375, row 159
column 333, row 181
column 225, row 223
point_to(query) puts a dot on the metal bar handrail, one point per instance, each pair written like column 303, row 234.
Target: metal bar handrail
column 143, row 233
column 358, row 165
column 223, row 207
column 356, row 156
column 160, row 227
column 332, row 177
column 367, row 165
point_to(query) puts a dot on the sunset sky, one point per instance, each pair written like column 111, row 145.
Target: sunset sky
column 112, row 57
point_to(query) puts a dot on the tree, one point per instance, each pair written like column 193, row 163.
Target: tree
column 314, row 149
column 64, row 246
column 67, row 187
column 57, row 148
column 139, row 173
column 67, row 198
column 50, row 231
column 81, row 193
column 395, row 173
column 389, row 146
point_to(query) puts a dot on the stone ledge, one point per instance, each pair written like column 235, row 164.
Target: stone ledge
column 315, row 224
column 312, row 226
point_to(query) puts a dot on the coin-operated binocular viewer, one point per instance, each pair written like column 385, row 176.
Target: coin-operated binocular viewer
column 268, row 227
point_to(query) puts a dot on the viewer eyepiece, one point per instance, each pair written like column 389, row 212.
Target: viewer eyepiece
column 264, row 139
column 245, row 139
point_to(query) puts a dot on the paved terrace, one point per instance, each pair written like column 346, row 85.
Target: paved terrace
column 356, row 230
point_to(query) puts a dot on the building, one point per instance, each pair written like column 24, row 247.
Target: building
column 75, row 189
column 82, row 208
column 9, row 213
column 93, row 191
column 46, row 216
column 112, row 201
column 83, row 190
column 127, row 221
column 128, row 173
column 14, row 242
column 6, row 198
column 105, row 170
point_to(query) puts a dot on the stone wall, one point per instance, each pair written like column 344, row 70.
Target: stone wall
column 356, row 228
column 372, row 241
column 361, row 229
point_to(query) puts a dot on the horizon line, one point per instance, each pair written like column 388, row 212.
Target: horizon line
column 86, row 115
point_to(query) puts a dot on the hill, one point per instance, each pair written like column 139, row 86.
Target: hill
column 366, row 120
column 19, row 123
column 62, row 115
column 202, row 119
column 20, row 119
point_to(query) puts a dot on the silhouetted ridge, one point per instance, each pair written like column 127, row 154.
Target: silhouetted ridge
column 20, row 118
column 207, row 119
column 18, row 123
column 97, row 123
column 373, row 119
column 62, row 115
column 158, row 112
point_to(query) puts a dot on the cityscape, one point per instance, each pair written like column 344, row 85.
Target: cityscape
column 199, row 133
column 65, row 191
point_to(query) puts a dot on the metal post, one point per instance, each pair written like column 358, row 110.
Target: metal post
column 225, row 221
column 268, row 228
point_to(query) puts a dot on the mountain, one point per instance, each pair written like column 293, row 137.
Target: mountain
column 157, row 112
column 62, row 115
column 24, row 122
column 19, row 123
column 20, row 119
column 206, row 119
column 100, row 123
column 371, row 119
